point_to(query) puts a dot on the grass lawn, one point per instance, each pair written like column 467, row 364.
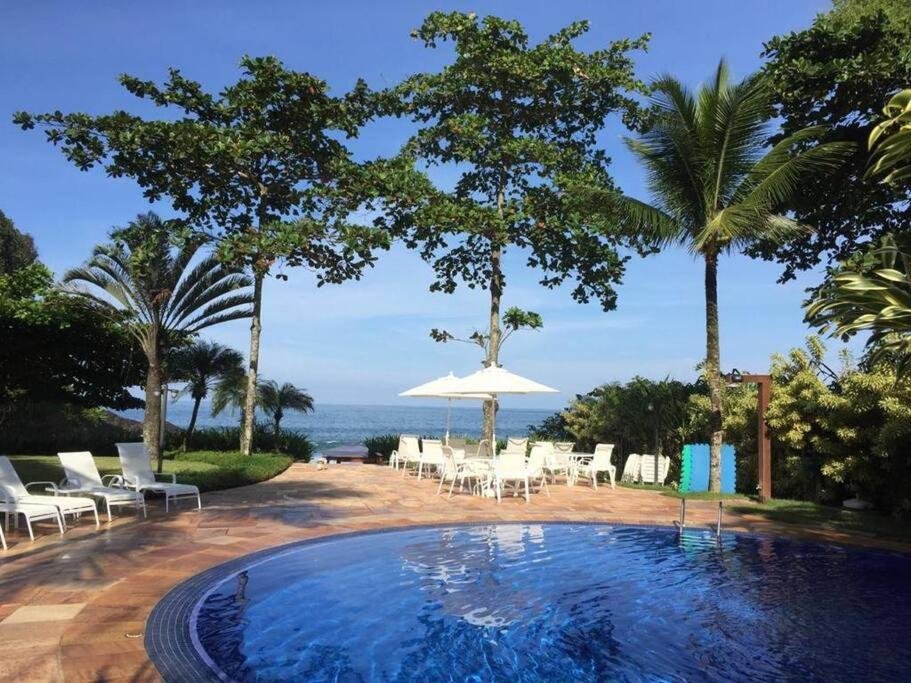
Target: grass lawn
column 209, row 470
column 799, row 513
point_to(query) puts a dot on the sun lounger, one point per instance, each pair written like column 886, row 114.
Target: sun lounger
column 30, row 512
column 82, row 476
column 138, row 475
column 15, row 492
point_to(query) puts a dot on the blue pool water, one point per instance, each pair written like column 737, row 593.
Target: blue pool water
column 560, row 602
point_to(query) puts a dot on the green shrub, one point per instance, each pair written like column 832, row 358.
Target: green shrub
column 383, row 444
column 41, row 428
column 291, row 442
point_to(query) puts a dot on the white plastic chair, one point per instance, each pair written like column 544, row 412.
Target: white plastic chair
column 397, row 457
column 15, row 492
column 431, row 457
column 599, row 462
column 537, row 467
column 82, row 476
column 453, row 470
column 510, row 467
column 515, row 445
column 410, row 454
column 631, row 468
column 138, row 475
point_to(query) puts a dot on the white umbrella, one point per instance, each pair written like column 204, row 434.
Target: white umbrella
column 441, row 388
column 495, row 381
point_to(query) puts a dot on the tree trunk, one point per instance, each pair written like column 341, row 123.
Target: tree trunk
column 493, row 346
column 192, row 426
column 713, row 369
column 249, row 415
column 151, row 422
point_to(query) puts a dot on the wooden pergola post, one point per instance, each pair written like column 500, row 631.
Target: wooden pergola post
column 764, row 441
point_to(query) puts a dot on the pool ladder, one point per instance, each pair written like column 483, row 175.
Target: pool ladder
column 681, row 524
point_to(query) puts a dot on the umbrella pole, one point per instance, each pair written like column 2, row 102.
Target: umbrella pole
column 448, row 418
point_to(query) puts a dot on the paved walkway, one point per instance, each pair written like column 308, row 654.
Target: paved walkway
column 74, row 608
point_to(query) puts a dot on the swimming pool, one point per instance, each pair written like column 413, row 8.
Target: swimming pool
column 528, row 602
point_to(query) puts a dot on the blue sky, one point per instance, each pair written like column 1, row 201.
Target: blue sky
column 363, row 342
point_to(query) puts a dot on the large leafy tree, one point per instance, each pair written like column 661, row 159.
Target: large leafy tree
column 514, row 125
column 17, row 249
column 836, row 74
column 201, row 365
column 276, row 400
column 162, row 296
column 256, row 166
column 716, row 189
column 54, row 350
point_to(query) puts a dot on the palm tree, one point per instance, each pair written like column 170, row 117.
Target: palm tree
column 717, row 188
column 201, row 365
column 275, row 400
column 161, row 298
column 230, row 393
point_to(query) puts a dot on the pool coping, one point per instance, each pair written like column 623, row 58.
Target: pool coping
column 172, row 643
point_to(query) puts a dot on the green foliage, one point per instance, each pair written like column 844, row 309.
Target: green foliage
column 56, row 350
column 290, row 442
column 513, row 320
column 383, row 444
column 517, row 123
column 155, row 291
column 870, row 293
column 551, row 428
column 201, row 365
column 841, row 434
column 890, row 141
column 717, row 189
column 275, row 400
column 51, row 427
column 641, row 416
column 17, row 249
column 267, row 147
column 160, row 296
column 837, row 73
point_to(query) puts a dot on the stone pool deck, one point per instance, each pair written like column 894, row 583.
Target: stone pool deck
column 74, row 608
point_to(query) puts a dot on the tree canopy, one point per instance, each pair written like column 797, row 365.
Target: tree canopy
column 516, row 123
column 58, row 351
column 17, row 249
column 260, row 167
column 837, row 74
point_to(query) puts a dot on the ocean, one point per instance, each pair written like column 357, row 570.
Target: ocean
column 332, row 425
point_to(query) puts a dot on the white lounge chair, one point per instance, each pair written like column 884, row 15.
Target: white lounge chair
column 648, row 473
column 31, row 512
column 17, row 493
column 138, row 475
column 82, row 476
column 631, row 468
column 599, row 462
